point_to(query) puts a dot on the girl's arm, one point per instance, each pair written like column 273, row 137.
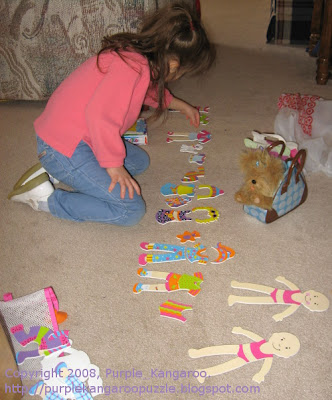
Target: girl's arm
column 188, row 110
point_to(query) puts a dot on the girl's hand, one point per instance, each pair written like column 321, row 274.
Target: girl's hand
column 188, row 110
column 121, row 176
column 192, row 114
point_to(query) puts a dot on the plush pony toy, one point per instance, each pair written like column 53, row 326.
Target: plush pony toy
column 263, row 174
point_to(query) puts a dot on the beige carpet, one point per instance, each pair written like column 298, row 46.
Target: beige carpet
column 92, row 267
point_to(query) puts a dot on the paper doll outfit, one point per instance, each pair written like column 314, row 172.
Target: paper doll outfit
column 47, row 340
column 286, row 296
column 197, row 158
column 184, row 282
column 193, row 176
column 173, row 309
column 77, row 387
column 49, row 396
column 252, row 349
column 191, row 149
column 224, row 253
column 177, row 201
column 213, row 192
column 188, row 236
column 170, row 189
column 165, row 216
column 174, row 253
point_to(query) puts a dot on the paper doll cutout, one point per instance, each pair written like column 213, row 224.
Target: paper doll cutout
column 197, row 158
column 224, row 253
column 165, row 216
column 192, row 176
column 173, row 309
column 173, row 282
column 172, row 253
column 281, row 344
column 204, row 119
column 77, row 361
column 48, row 341
column 177, row 201
column 75, row 387
column 212, row 212
column 202, row 136
column 171, row 189
column 213, row 192
column 294, row 297
column 188, row 236
column 194, row 148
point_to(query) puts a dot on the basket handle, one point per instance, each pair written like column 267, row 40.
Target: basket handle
column 275, row 144
column 298, row 161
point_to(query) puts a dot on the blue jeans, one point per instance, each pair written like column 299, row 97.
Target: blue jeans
column 90, row 199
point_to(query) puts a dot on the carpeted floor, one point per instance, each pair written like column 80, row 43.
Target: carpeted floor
column 92, row 267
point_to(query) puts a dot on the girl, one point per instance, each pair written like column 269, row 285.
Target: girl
column 79, row 134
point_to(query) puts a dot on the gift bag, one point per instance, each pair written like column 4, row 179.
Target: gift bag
column 291, row 193
column 36, row 309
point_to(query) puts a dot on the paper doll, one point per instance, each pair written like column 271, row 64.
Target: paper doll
column 83, row 373
column 173, row 281
column 294, row 297
column 70, row 385
column 48, row 341
column 281, row 344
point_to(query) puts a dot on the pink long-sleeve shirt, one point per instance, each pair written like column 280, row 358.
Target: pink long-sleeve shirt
column 98, row 107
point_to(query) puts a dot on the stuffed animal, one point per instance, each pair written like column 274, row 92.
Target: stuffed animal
column 263, row 174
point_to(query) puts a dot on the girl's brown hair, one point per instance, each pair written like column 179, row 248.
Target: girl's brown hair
column 171, row 33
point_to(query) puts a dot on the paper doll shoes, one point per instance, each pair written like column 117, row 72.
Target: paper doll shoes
column 34, row 187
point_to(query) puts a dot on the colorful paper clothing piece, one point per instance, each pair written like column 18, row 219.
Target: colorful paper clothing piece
column 48, row 341
column 197, row 158
column 263, row 140
column 192, row 176
column 293, row 297
column 212, row 213
column 194, row 148
column 55, row 367
column 213, row 192
column 204, row 110
column 173, row 309
column 166, row 216
column 224, row 253
column 202, row 136
column 280, row 344
column 204, row 119
column 173, row 282
column 170, row 189
column 66, row 379
column 188, row 236
column 173, row 253
column 200, row 109
column 177, row 201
